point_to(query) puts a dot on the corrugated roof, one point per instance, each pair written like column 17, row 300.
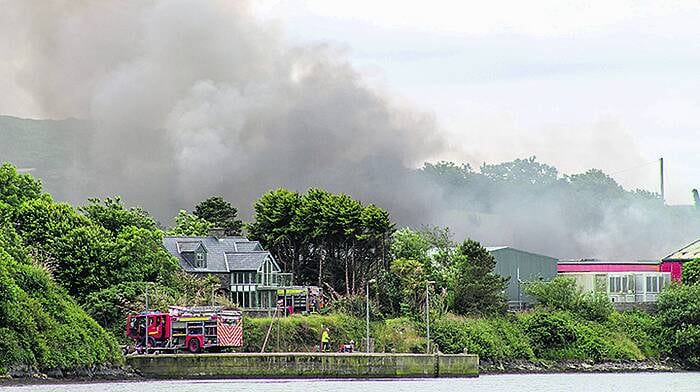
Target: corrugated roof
column 216, row 252
column 594, row 261
column 687, row 253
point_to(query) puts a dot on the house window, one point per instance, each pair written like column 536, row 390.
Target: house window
column 201, row 262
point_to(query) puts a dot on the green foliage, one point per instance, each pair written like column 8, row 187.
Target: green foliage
column 644, row 329
column 412, row 281
column 111, row 214
column 221, row 214
column 562, row 293
column 190, row 225
column 474, row 287
column 301, row 333
column 42, row 326
column 550, row 330
column 562, row 336
column 17, row 188
column 679, row 312
column 521, row 171
column 323, row 238
column 399, row 335
column 679, row 305
column 410, row 245
column 355, row 306
column 493, row 339
column 691, row 272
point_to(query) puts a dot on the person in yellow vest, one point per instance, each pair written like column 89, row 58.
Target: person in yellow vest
column 325, row 340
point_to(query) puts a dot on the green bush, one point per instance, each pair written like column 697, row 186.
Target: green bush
column 400, row 335
column 562, row 336
column 41, row 326
column 550, row 330
column 492, row 339
column 355, row 306
column 300, row 333
column 562, row 293
column 679, row 313
column 643, row 329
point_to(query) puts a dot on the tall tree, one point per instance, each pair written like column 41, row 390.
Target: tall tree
column 474, row 286
column 189, row 225
column 323, row 238
column 220, row 213
column 111, row 214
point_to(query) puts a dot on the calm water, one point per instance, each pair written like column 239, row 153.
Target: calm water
column 637, row 382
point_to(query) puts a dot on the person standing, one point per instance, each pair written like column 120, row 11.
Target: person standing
column 325, row 340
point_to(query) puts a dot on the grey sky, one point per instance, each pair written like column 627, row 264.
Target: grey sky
column 579, row 84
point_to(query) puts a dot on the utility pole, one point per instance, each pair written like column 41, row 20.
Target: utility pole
column 661, row 171
column 520, row 295
column 367, row 309
column 145, row 339
column 427, row 315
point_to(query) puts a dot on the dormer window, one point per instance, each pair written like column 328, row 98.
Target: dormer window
column 201, row 261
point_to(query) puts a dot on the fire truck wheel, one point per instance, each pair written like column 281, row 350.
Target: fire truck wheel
column 151, row 342
column 194, row 346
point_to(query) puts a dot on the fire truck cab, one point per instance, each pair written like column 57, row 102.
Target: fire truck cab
column 194, row 329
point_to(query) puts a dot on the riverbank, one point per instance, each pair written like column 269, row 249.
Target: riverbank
column 127, row 374
column 529, row 367
column 305, row 365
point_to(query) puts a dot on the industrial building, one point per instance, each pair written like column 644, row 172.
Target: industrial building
column 673, row 263
column 624, row 281
column 521, row 266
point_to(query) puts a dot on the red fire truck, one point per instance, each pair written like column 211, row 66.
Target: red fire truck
column 194, row 328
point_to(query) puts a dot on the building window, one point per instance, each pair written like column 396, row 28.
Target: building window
column 654, row 284
column 201, row 262
column 621, row 284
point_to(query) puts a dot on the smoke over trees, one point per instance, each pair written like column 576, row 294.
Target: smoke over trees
column 180, row 100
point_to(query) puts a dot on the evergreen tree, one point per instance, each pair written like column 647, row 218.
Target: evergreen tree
column 220, row 213
column 474, row 286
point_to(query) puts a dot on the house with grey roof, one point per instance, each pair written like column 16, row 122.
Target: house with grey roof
column 249, row 275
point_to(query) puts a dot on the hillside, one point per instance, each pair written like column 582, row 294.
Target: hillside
column 43, row 329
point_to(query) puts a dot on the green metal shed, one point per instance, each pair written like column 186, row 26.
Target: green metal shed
column 511, row 262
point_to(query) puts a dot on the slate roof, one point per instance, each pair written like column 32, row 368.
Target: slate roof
column 245, row 261
column 189, row 246
column 687, row 253
column 250, row 246
column 223, row 255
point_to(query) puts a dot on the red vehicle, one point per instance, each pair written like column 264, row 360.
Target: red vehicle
column 194, row 328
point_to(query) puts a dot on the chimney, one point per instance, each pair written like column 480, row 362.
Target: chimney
column 696, row 198
column 217, row 232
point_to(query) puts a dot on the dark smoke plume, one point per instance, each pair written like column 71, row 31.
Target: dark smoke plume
column 186, row 99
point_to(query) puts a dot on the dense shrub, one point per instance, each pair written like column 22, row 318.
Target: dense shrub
column 562, row 293
column 399, row 335
column 562, row 336
column 300, row 333
column 550, row 330
column 644, row 329
column 491, row 339
column 355, row 306
column 41, row 326
column 679, row 313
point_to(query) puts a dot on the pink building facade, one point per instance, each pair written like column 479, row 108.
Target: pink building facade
column 673, row 263
column 622, row 281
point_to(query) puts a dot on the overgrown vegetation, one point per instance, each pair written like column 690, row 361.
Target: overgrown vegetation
column 56, row 260
column 42, row 327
